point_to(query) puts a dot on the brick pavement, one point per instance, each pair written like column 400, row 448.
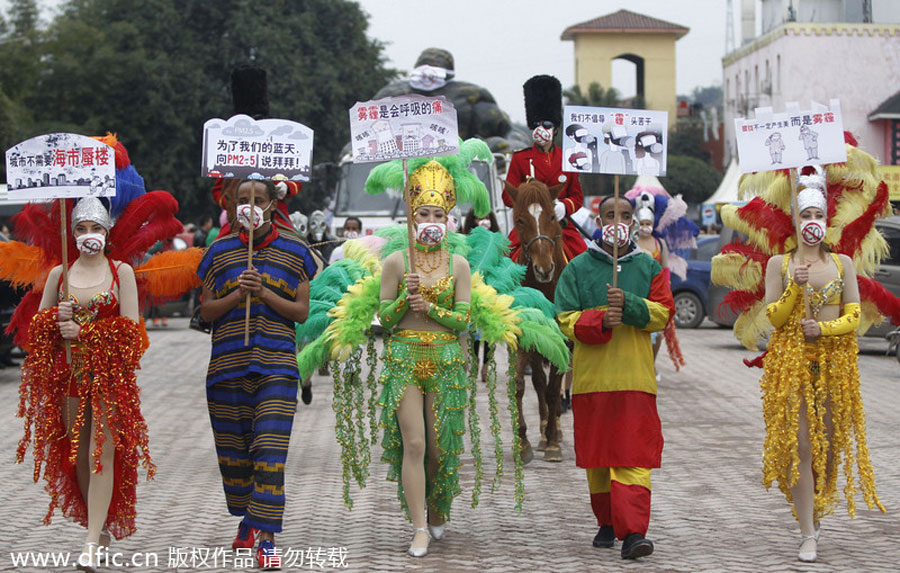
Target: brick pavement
column 710, row 511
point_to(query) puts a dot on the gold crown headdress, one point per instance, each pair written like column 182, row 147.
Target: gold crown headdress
column 431, row 185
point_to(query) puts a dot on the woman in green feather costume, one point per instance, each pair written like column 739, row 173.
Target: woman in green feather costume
column 425, row 384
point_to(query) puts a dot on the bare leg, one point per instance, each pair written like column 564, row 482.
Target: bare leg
column 803, row 491
column 101, row 485
column 433, row 452
column 412, row 473
column 82, row 469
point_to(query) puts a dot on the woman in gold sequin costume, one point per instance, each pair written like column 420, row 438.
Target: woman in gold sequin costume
column 811, row 388
column 423, row 365
column 427, row 400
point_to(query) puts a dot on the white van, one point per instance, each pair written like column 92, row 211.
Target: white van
column 378, row 211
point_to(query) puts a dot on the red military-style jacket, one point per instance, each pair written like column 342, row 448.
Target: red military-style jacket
column 548, row 170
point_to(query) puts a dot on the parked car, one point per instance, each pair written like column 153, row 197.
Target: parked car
column 691, row 294
column 888, row 273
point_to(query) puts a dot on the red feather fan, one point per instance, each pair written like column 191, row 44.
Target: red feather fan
column 854, row 233
column 146, row 220
column 768, row 219
column 887, row 303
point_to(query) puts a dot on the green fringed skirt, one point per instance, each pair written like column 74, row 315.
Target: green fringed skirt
column 433, row 362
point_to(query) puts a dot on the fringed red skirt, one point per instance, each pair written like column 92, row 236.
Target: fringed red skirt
column 103, row 367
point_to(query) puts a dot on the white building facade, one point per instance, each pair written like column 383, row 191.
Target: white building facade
column 826, row 52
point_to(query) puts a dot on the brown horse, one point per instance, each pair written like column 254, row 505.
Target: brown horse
column 540, row 236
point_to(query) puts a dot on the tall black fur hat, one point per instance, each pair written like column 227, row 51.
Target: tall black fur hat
column 249, row 91
column 543, row 100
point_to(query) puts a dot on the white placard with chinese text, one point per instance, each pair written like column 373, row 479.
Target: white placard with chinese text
column 245, row 148
column 790, row 139
column 403, row 127
column 614, row 141
column 60, row 166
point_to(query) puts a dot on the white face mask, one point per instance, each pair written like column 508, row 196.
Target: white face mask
column 245, row 212
column 812, row 232
column 430, row 234
column 351, row 234
column 90, row 243
column 645, row 230
column 609, row 234
column 541, row 135
column 486, row 223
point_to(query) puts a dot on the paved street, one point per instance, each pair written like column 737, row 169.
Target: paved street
column 710, row 511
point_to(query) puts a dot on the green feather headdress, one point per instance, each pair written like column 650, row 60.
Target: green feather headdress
column 468, row 187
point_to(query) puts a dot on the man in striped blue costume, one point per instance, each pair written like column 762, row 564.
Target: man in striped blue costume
column 252, row 388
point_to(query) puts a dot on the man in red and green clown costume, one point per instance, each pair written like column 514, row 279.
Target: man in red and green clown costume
column 618, row 437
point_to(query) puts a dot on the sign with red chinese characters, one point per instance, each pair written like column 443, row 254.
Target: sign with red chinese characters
column 614, row 141
column 791, row 139
column 245, row 148
column 60, row 166
column 403, row 127
column 890, row 174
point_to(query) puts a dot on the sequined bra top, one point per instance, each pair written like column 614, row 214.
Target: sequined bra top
column 441, row 293
column 103, row 304
column 830, row 293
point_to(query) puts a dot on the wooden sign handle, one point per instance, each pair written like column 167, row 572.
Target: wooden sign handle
column 616, row 235
column 250, row 260
column 64, row 235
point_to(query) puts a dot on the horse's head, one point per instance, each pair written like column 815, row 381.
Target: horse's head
column 539, row 232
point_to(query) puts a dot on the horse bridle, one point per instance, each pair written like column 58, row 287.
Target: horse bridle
column 527, row 248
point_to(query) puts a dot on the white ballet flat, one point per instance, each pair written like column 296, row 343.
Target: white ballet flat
column 437, row 531
column 105, row 537
column 808, row 556
column 419, row 551
column 89, row 560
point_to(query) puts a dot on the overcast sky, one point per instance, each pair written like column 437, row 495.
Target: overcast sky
column 501, row 43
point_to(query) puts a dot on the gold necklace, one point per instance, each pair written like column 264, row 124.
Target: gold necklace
column 431, row 261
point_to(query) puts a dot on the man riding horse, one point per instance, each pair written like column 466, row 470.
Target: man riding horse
column 542, row 197
column 543, row 161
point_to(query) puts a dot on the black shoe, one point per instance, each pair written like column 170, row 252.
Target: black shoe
column 636, row 545
column 605, row 537
column 306, row 394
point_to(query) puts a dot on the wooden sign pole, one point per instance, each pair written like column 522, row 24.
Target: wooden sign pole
column 410, row 223
column 616, row 235
column 252, row 231
column 64, row 234
column 796, row 209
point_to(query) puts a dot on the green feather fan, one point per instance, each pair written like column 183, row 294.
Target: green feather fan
column 527, row 297
column 542, row 335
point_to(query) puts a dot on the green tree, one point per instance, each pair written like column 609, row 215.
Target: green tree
column 687, row 139
column 696, row 180
column 154, row 70
column 597, row 96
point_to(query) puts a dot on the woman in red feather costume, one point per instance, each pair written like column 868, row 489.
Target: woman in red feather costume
column 82, row 416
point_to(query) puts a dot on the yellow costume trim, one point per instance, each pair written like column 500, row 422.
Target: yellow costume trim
column 599, row 478
column 780, row 311
column 823, row 376
column 847, row 323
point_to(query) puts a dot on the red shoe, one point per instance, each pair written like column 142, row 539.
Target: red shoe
column 246, row 537
column 268, row 557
